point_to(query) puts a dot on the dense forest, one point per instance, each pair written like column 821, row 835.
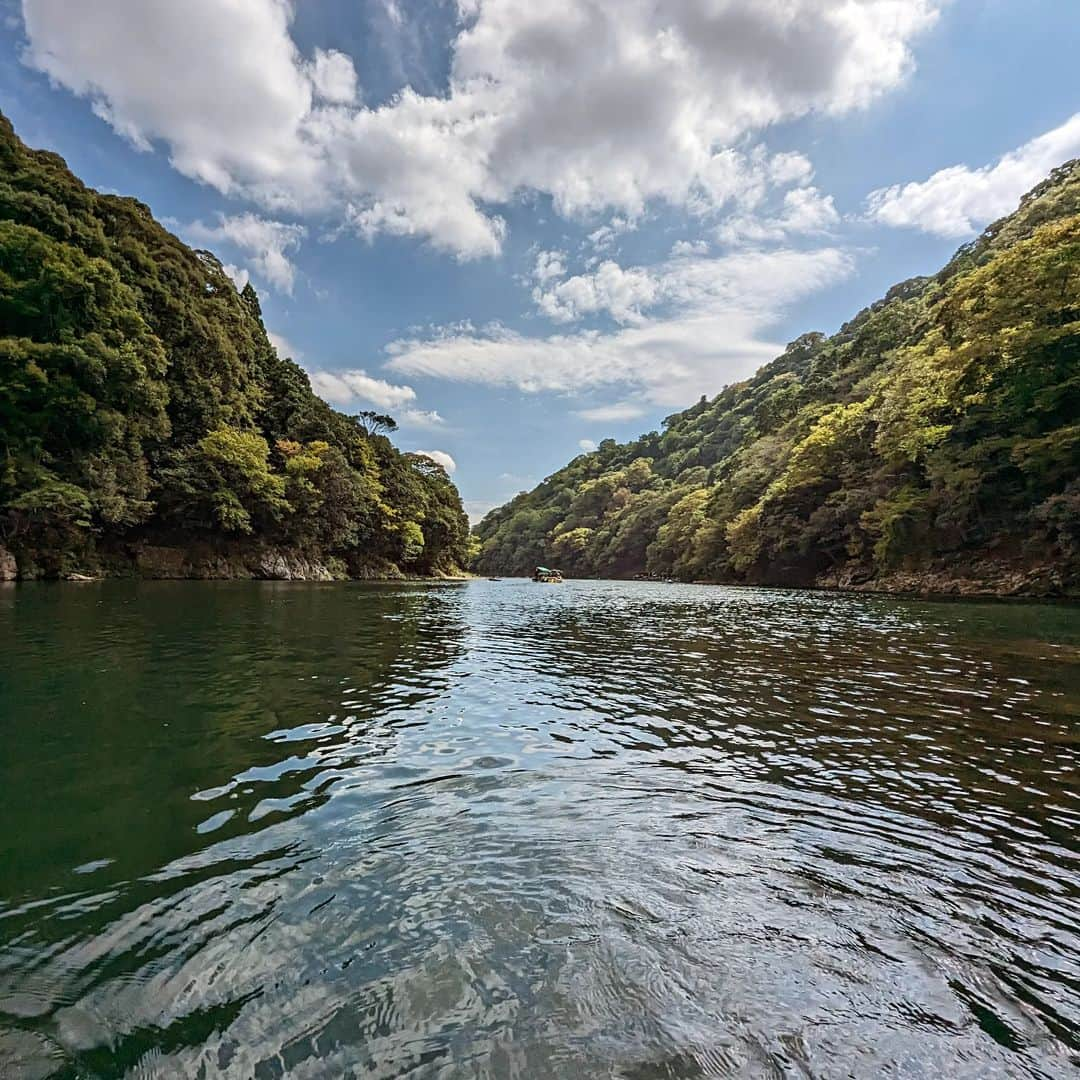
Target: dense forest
column 932, row 444
column 148, row 425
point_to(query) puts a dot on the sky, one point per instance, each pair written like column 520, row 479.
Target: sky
column 521, row 227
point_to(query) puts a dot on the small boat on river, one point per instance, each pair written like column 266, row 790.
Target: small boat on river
column 547, row 576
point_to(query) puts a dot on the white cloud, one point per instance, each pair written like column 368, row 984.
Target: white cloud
column 746, row 177
column 717, row 312
column 587, row 445
column 686, row 281
column 600, row 106
column 285, row 348
column 805, row 211
column 790, row 168
column 603, row 239
column 621, row 410
column 609, row 288
column 421, row 418
column 268, row 243
column 240, row 276
column 222, row 84
column 549, row 265
column 333, row 77
column 441, row 457
column 344, row 387
column 958, row 201
column 690, row 247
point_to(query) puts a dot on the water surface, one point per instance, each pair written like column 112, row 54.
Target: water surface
column 509, row 830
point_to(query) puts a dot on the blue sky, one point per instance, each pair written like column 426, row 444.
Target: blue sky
column 521, row 228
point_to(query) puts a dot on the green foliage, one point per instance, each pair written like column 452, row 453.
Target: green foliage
column 225, row 482
column 412, row 541
column 140, row 396
column 940, row 423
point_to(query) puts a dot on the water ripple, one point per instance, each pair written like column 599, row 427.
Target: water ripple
column 497, row 830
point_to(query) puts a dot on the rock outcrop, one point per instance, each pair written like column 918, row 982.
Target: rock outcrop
column 278, row 567
column 206, row 563
column 977, row 578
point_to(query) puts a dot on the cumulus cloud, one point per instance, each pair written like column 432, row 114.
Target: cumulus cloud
column 587, row 445
column 549, row 265
column 267, row 243
column 805, row 211
column 222, row 85
column 441, row 457
column 687, row 280
column 744, row 179
column 710, row 330
column 690, row 247
column 333, row 77
column 345, row 387
column 609, row 288
column 958, row 201
column 599, row 106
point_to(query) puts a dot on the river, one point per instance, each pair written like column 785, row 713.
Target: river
column 499, row 829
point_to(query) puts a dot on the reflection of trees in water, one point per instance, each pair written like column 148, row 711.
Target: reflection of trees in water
column 122, row 710
column 161, row 691
column 653, row 789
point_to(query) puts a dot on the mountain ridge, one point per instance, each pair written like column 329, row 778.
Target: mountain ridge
column 148, row 426
column 931, row 444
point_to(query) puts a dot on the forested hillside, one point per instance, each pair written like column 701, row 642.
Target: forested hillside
column 932, row 444
column 147, row 423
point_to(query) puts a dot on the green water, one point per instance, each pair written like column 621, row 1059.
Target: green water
column 500, row 829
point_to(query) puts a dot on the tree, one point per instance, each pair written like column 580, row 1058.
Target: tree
column 375, row 423
column 936, row 426
column 140, row 397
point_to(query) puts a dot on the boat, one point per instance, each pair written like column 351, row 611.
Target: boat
column 547, row 576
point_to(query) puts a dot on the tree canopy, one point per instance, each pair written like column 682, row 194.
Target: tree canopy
column 140, row 397
column 939, row 427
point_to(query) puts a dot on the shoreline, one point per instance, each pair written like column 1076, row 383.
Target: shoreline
column 277, row 566
column 899, row 588
column 97, row 579
column 209, row 560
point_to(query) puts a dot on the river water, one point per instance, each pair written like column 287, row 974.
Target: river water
column 500, row 829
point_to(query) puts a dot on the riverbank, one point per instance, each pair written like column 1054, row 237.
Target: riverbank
column 986, row 581
column 977, row 579
column 218, row 561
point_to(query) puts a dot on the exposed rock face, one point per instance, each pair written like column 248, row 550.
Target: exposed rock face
column 977, row 577
column 213, row 560
column 278, row 567
column 271, row 564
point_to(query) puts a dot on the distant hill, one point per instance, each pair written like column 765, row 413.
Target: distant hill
column 147, row 424
column 931, row 445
